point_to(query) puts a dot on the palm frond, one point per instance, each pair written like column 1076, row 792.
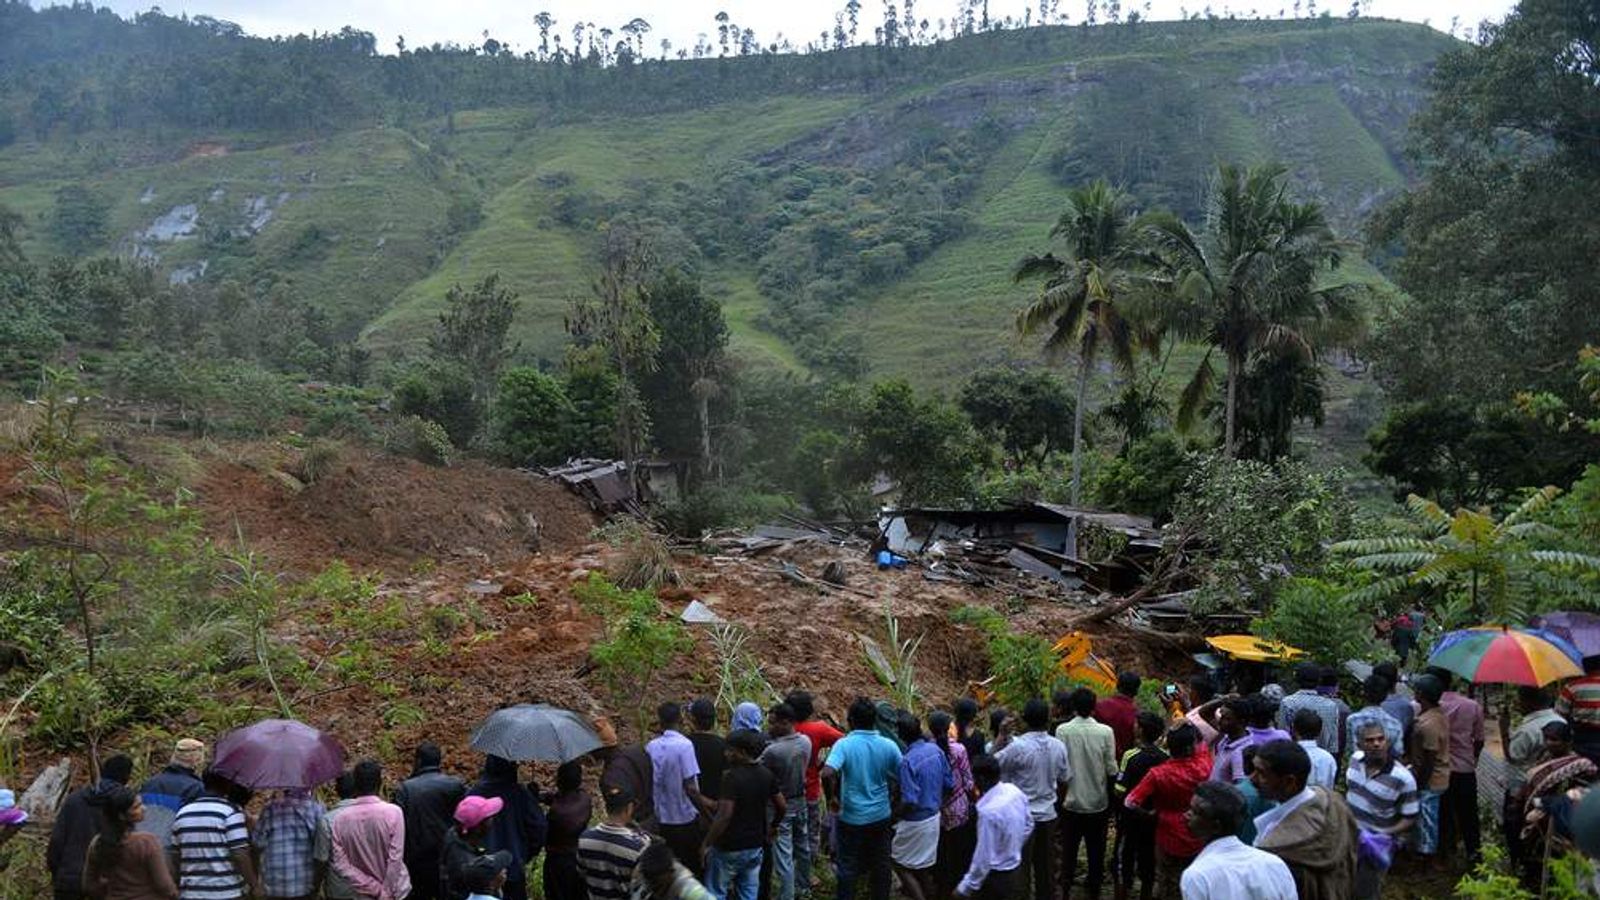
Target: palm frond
column 1431, row 513
column 1033, row 266
column 1525, row 530
column 1567, row 559
column 1382, row 589
column 1195, row 393
column 1372, row 546
column 1412, row 561
column 1536, row 502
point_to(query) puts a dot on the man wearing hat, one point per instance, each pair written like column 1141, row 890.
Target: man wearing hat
column 609, row 852
column 465, row 843
column 171, row 788
column 485, row 875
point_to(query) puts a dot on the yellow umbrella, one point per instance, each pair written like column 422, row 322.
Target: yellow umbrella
column 1250, row 648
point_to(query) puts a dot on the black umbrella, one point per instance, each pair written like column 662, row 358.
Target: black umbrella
column 535, row 731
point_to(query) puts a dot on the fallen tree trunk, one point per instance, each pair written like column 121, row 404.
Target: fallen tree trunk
column 42, row 798
column 1167, row 571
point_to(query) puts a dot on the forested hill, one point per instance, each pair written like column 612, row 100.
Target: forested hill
column 859, row 207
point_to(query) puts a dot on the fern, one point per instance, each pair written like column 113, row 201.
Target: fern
column 1567, row 559
column 1410, row 560
column 1536, row 502
column 1375, row 546
column 1431, row 514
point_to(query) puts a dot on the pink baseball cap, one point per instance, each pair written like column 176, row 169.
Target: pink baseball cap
column 474, row 811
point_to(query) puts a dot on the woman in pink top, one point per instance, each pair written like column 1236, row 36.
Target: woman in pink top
column 958, row 836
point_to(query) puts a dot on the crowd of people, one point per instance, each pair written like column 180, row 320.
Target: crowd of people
column 1267, row 794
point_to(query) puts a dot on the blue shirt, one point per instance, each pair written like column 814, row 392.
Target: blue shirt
column 866, row 762
column 925, row 777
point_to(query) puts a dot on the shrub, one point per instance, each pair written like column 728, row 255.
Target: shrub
column 1021, row 666
column 419, row 439
column 642, row 561
column 640, row 640
column 441, row 393
column 1320, row 618
column 1248, row 525
column 341, row 421
column 1146, row 479
column 533, row 418
column 715, row 506
column 319, row 459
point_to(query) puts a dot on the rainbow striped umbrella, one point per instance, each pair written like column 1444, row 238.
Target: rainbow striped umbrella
column 1497, row 654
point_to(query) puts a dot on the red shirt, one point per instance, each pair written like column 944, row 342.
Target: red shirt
column 1169, row 787
column 1118, row 712
column 822, row 736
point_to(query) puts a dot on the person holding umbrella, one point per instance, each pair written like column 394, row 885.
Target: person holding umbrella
column 285, row 835
column 520, row 829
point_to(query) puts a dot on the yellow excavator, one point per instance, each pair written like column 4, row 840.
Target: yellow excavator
column 1076, row 662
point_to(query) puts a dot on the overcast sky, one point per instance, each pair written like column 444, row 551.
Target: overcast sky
column 511, row 21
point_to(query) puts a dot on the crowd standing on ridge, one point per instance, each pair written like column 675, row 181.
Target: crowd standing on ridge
column 1269, row 794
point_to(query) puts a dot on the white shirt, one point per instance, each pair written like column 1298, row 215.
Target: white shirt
column 1230, row 869
column 1004, row 824
column 1270, row 819
column 1324, row 768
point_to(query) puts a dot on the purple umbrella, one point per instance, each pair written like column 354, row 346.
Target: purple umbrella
column 1582, row 630
column 279, row 753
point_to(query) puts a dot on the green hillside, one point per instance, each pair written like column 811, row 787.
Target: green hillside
column 880, row 216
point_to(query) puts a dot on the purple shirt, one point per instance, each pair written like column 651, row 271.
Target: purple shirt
column 1229, row 765
column 924, row 778
column 1466, row 730
column 672, row 760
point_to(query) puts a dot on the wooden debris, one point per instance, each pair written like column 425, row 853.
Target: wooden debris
column 42, row 798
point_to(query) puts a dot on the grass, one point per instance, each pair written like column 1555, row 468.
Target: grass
column 1154, row 106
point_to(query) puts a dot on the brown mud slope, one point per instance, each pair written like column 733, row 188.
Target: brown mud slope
column 379, row 511
column 475, row 606
column 520, row 649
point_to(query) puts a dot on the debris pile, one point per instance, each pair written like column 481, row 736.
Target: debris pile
column 1073, row 549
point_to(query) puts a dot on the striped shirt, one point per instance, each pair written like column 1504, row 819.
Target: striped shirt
column 607, row 856
column 205, row 834
column 1380, row 801
column 1579, row 702
column 1326, row 708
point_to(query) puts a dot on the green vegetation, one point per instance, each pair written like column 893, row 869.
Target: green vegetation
column 811, row 188
column 640, row 640
column 1021, row 666
column 1084, row 299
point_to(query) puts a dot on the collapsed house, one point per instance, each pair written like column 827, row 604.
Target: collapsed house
column 604, row 483
column 1079, row 549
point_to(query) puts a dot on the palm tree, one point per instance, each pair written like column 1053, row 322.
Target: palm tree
column 1080, row 305
column 1249, row 281
column 1500, row 565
